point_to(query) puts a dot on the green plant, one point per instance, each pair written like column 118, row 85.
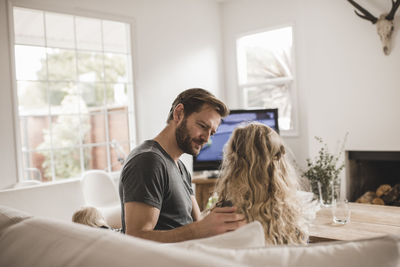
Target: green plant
column 324, row 169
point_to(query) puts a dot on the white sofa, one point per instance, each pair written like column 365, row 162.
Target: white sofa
column 27, row 240
column 36, row 230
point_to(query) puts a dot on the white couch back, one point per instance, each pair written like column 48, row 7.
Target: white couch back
column 32, row 241
column 54, row 200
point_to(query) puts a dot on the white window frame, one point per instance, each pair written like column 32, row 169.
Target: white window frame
column 294, row 132
column 132, row 112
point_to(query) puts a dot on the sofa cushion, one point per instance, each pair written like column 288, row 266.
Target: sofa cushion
column 380, row 251
column 247, row 236
column 48, row 243
column 9, row 216
column 32, row 241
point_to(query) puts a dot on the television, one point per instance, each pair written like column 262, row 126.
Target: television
column 210, row 155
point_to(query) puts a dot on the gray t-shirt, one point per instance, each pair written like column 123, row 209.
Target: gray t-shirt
column 151, row 176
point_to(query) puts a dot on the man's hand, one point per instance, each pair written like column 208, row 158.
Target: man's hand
column 140, row 220
column 220, row 220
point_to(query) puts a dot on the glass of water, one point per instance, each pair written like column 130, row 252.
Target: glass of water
column 341, row 211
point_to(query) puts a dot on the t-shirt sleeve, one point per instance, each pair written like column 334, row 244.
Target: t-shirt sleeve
column 144, row 180
column 188, row 179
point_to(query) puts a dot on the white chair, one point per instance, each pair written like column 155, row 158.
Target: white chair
column 100, row 192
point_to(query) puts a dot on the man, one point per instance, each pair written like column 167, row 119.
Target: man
column 155, row 188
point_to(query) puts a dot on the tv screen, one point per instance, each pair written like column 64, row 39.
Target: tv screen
column 210, row 155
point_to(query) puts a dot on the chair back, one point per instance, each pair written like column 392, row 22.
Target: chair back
column 99, row 189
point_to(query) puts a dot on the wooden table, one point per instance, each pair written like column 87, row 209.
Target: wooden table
column 366, row 221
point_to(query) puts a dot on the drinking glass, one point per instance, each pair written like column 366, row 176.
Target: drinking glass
column 326, row 194
column 341, row 211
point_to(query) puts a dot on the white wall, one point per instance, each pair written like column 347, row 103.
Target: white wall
column 351, row 85
column 8, row 165
column 177, row 45
column 241, row 17
column 345, row 82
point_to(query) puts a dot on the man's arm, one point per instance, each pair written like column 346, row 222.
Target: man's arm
column 140, row 220
column 196, row 214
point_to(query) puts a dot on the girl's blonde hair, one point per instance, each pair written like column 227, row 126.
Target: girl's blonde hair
column 255, row 178
column 89, row 216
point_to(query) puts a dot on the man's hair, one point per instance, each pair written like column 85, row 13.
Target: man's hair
column 193, row 100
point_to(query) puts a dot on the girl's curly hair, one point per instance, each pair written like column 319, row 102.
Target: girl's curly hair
column 255, row 177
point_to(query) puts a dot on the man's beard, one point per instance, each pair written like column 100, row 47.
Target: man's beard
column 184, row 140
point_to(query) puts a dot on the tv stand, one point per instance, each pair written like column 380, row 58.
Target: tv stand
column 206, row 174
column 212, row 174
column 204, row 188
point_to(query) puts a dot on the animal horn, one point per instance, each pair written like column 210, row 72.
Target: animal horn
column 365, row 14
column 395, row 6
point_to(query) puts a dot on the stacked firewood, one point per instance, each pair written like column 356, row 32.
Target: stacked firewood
column 384, row 195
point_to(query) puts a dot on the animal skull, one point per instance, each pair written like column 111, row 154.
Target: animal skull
column 384, row 24
column 385, row 29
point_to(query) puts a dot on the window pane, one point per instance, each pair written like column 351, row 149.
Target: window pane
column 263, row 64
column 265, row 55
column 90, row 66
column 60, row 30
column 117, row 94
column 72, row 97
column 28, row 26
column 118, row 124
column 115, row 36
column 96, row 123
column 61, row 64
column 272, row 96
column 92, row 94
column 32, row 98
column 67, row 163
column 119, row 152
column 88, row 34
column 58, row 91
column 33, row 131
column 115, row 67
column 64, row 99
column 65, row 131
column 30, row 62
column 96, row 158
column 34, row 167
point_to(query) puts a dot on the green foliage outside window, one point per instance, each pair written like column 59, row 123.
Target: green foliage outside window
column 67, row 131
column 65, row 96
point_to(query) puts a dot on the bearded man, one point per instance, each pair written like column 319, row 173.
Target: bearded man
column 155, row 188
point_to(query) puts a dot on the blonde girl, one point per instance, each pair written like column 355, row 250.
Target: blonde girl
column 255, row 178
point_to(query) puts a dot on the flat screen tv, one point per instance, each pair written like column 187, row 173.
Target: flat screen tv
column 210, row 155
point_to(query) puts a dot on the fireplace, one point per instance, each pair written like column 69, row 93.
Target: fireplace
column 367, row 170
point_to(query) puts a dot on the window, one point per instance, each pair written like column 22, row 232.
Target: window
column 74, row 93
column 265, row 73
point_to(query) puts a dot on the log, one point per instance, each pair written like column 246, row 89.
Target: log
column 367, row 197
column 392, row 195
column 378, row 201
column 383, row 190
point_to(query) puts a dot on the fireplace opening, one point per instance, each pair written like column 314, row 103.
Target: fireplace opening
column 366, row 171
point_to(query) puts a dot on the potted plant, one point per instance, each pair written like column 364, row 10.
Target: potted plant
column 323, row 173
